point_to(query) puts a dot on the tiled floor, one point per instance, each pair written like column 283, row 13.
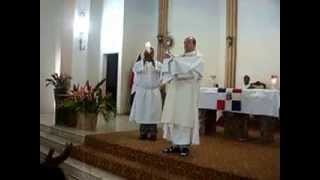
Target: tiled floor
column 47, row 119
column 120, row 123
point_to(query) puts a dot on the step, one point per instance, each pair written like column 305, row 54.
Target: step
column 160, row 161
column 76, row 170
column 71, row 134
column 120, row 166
column 45, row 128
column 52, row 141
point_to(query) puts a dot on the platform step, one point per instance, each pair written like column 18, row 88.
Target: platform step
column 71, row 134
column 163, row 162
column 52, row 141
column 121, row 166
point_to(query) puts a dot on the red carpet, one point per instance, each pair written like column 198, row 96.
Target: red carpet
column 122, row 153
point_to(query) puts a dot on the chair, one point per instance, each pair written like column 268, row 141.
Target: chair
column 257, row 85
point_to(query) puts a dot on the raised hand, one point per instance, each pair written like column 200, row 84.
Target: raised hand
column 56, row 161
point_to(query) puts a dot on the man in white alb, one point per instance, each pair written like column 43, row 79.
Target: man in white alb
column 180, row 113
column 146, row 108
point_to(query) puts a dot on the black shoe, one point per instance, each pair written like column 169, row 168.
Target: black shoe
column 171, row 149
column 184, row 152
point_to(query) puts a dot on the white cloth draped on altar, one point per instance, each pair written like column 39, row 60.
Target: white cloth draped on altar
column 253, row 101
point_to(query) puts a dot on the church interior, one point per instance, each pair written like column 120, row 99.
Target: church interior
column 89, row 50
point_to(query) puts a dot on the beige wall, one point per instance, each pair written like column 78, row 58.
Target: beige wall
column 258, row 36
column 258, row 40
column 112, row 37
column 140, row 25
column 50, row 49
column 67, row 36
column 206, row 21
column 79, row 58
column 94, row 41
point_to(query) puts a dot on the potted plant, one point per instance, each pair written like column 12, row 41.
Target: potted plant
column 66, row 116
column 61, row 83
column 87, row 102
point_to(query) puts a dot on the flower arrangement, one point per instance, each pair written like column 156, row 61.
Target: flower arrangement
column 60, row 82
column 89, row 99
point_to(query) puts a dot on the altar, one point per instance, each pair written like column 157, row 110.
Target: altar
column 254, row 101
column 262, row 104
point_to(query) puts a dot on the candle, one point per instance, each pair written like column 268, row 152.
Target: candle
column 274, row 80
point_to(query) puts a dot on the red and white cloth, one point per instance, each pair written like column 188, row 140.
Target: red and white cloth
column 230, row 102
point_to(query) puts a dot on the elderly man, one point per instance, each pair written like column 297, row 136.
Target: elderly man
column 180, row 113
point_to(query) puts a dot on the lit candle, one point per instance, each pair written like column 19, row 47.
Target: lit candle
column 274, row 80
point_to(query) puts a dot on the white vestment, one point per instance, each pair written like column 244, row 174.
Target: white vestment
column 180, row 113
column 133, row 88
column 147, row 104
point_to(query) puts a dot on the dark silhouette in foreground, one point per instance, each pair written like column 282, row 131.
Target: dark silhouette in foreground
column 50, row 169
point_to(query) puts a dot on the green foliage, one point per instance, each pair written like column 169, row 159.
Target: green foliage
column 59, row 82
column 90, row 100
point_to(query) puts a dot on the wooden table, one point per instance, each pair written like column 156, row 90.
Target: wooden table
column 236, row 125
column 263, row 105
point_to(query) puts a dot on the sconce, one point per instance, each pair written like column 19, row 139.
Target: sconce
column 229, row 41
column 81, row 28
